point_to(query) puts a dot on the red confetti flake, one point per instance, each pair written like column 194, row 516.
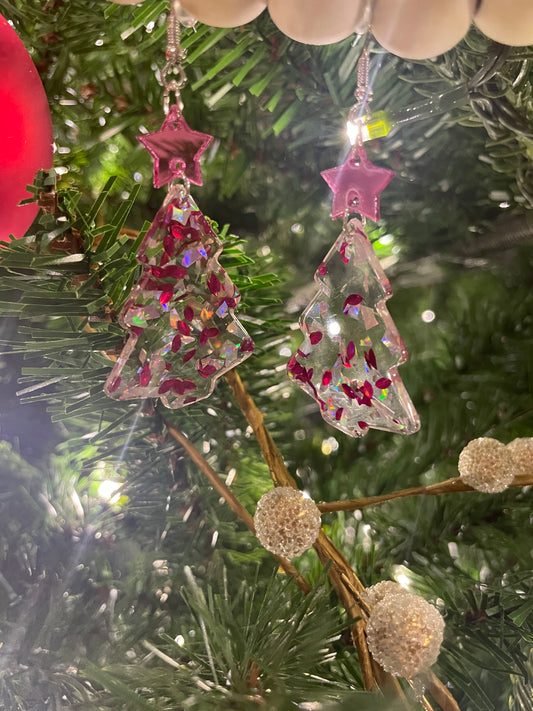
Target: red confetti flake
column 298, row 371
column 370, row 358
column 322, row 269
column 247, row 346
column 213, row 284
column 208, row 333
column 176, row 343
column 367, row 389
column 152, row 285
column 352, row 300
column 362, row 425
column 177, row 385
column 188, row 400
column 178, row 272
column 383, row 383
column 228, row 300
column 166, row 294
column 168, row 244
column 184, row 233
column 180, row 387
column 326, row 378
column 348, row 391
column 186, row 358
column 165, row 386
column 315, row 337
column 115, row 384
column 136, row 331
column 176, row 230
column 350, row 351
column 302, row 354
column 188, row 313
column 204, row 223
column 342, row 252
column 206, row 370
column 184, row 328
column 338, row 414
column 145, row 375
column 172, row 271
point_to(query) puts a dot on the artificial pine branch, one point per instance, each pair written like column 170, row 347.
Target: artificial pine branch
column 325, row 549
column 232, row 500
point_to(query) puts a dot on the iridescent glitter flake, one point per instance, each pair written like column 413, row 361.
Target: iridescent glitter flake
column 348, row 360
column 183, row 333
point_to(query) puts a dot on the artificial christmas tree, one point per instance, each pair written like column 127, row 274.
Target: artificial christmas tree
column 130, row 575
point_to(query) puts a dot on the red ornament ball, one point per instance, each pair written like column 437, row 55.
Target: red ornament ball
column 25, row 132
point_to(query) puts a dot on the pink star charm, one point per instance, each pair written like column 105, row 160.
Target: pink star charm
column 356, row 185
column 176, row 149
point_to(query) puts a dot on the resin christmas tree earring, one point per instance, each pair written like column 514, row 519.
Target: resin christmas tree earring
column 183, row 334
column 351, row 349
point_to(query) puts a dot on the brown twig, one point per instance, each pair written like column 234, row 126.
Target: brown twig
column 440, row 693
column 230, row 498
column 344, row 580
column 449, row 486
column 278, row 470
column 425, row 703
column 325, row 549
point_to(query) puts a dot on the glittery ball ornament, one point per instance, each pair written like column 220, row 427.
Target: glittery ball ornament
column 485, row 465
column 287, row 522
column 521, row 451
column 404, row 634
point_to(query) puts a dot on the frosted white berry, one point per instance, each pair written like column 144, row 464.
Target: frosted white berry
column 485, row 465
column 287, row 522
column 376, row 593
column 521, row 451
column 404, row 634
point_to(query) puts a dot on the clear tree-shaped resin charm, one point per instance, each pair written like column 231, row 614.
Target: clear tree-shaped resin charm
column 183, row 333
column 348, row 360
